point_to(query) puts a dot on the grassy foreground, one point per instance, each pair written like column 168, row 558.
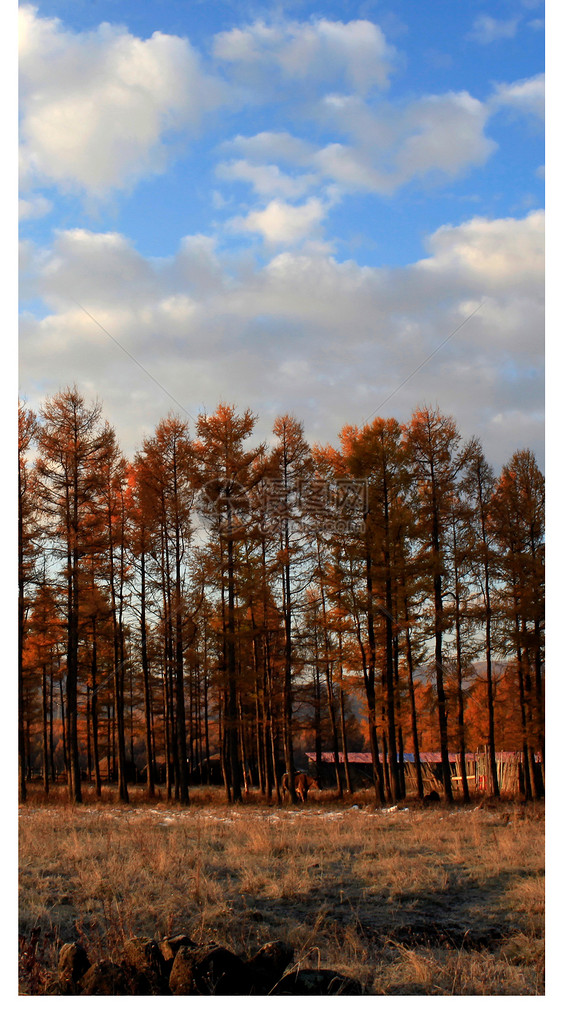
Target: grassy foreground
column 443, row 901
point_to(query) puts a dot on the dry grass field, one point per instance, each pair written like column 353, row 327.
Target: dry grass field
column 441, row 901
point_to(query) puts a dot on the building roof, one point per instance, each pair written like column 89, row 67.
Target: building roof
column 431, row 757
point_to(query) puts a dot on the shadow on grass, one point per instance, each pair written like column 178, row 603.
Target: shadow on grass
column 472, row 914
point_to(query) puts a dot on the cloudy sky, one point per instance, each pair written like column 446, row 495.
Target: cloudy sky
column 288, row 206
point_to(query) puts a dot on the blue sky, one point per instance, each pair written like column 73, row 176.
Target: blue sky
column 287, row 206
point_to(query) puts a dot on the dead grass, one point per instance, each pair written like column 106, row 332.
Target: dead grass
column 409, row 901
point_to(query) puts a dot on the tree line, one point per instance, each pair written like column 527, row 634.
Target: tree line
column 217, row 597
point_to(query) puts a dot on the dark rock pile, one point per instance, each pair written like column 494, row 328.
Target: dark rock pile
column 176, row 966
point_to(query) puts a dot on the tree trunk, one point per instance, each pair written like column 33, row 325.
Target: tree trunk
column 329, row 685
column 109, row 761
column 459, row 660
column 411, row 691
column 180, row 714
column 206, row 714
column 259, row 727
column 385, row 761
column 244, row 762
column 74, row 784
column 539, row 699
column 287, row 678
column 317, row 724
column 378, row 775
column 94, row 674
column 63, row 731
column 180, row 694
column 389, row 659
column 334, row 728
column 224, row 747
column 490, row 685
column 401, row 768
column 28, row 743
column 51, row 734
column 344, row 741
column 230, row 716
column 21, row 625
column 462, row 741
column 167, row 725
column 118, row 667
column 146, row 684
column 531, row 724
column 523, row 710
column 439, row 668
column 272, row 726
column 88, row 735
column 45, row 732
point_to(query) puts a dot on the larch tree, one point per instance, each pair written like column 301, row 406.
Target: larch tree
column 291, row 463
column 95, row 620
column 27, row 554
column 437, row 458
column 410, row 596
column 150, row 516
column 462, row 622
column 141, row 543
column 225, row 478
column 112, row 536
column 165, row 469
column 267, row 622
column 72, row 446
column 518, row 510
column 43, row 659
column 325, row 653
column 478, row 487
column 214, row 596
column 377, row 454
column 354, row 551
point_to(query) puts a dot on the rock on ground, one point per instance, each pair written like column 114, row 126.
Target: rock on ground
column 73, row 963
column 209, row 971
column 317, row 982
column 266, row 967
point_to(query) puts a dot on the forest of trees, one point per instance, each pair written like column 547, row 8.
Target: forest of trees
column 213, row 596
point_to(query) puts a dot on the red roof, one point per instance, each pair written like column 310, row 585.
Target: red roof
column 432, row 757
column 353, row 758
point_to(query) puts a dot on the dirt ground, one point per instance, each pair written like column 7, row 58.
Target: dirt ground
column 409, row 900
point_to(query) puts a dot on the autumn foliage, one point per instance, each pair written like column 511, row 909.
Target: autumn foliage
column 213, row 608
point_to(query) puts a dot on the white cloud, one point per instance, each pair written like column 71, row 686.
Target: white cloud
column 97, row 106
column 387, row 146
column 267, row 180
column 282, row 223
column 34, row 206
column 486, row 29
column 526, row 96
column 276, row 145
column 82, row 261
column 329, row 341
column 318, row 52
column 496, row 256
column 443, row 133
column 101, row 108
column 352, row 168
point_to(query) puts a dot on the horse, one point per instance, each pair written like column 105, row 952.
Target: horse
column 303, row 783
